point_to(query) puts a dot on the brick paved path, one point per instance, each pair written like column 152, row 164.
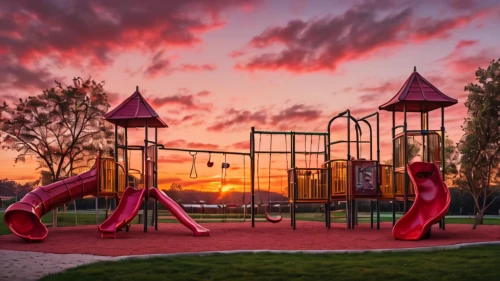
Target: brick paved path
column 18, row 265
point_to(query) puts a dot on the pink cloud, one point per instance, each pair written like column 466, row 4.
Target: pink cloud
column 378, row 93
column 160, row 65
column 237, row 53
column 322, row 44
column 464, row 62
column 114, row 98
column 196, row 67
column 469, row 63
column 14, row 75
column 204, row 93
column 428, row 28
column 463, row 5
column 234, row 119
column 295, row 113
column 244, row 145
column 241, row 120
column 189, row 120
column 64, row 31
column 183, row 99
column 466, row 43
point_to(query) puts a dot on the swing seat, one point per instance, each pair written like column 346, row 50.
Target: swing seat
column 273, row 219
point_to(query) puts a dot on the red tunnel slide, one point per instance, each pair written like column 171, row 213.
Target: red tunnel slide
column 23, row 217
column 432, row 200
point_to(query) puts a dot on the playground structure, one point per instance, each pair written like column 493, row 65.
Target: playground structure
column 348, row 179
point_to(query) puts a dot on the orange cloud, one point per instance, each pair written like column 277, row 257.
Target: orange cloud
column 243, row 145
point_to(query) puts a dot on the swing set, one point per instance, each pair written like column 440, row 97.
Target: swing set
column 308, row 174
column 224, row 166
column 268, row 211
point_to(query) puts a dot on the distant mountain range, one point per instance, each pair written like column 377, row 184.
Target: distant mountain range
column 228, row 197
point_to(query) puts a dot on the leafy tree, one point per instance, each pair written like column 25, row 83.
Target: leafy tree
column 62, row 127
column 480, row 145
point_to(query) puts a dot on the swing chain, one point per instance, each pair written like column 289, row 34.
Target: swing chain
column 244, row 180
column 258, row 168
column 317, row 154
column 286, row 152
column 310, row 151
column 193, row 174
column 269, row 173
column 305, row 150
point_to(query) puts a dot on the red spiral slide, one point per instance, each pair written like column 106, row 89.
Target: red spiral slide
column 178, row 212
column 432, row 200
column 23, row 217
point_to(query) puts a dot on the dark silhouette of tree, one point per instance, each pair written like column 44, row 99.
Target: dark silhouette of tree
column 175, row 187
column 480, row 146
column 62, row 127
column 15, row 189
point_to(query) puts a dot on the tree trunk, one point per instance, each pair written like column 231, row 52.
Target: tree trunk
column 478, row 219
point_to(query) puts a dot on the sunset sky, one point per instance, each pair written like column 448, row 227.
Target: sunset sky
column 213, row 69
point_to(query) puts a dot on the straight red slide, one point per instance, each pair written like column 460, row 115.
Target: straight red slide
column 127, row 209
column 432, row 200
column 178, row 212
column 23, row 217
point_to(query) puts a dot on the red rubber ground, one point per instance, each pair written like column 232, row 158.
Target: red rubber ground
column 175, row 238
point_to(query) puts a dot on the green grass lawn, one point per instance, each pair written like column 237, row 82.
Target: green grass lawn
column 479, row 263
column 3, row 228
column 69, row 219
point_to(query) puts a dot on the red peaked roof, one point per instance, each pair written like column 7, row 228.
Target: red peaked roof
column 418, row 95
column 134, row 112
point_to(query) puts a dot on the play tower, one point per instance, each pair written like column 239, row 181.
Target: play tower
column 135, row 112
column 417, row 96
